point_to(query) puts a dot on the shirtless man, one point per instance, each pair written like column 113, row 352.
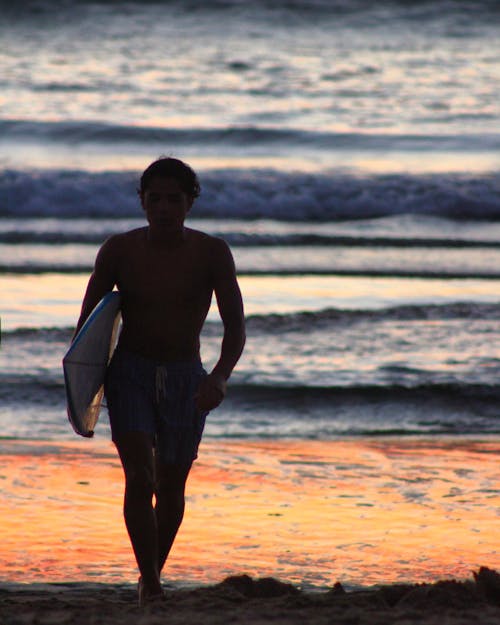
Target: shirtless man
column 157, row 392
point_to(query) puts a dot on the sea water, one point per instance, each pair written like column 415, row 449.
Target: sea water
column 348, row 153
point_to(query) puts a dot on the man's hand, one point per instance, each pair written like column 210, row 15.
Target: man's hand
column 211, row 392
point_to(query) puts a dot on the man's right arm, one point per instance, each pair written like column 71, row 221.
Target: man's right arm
column 102, row 280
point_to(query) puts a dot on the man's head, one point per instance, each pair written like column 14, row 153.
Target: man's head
column 167, row 167
column 168, row 190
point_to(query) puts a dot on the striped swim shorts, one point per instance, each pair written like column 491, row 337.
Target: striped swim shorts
column 157, row 398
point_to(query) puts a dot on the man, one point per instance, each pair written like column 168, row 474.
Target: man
column 157, row 392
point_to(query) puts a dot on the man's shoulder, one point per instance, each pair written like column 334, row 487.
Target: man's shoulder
column 125, row 238
column 206, row 240
column 214, row 249
column 117, row 246
column 217, row 255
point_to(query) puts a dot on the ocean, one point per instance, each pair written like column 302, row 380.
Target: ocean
column 347, row 151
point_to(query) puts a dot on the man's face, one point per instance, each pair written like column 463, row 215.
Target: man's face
column 166, row 204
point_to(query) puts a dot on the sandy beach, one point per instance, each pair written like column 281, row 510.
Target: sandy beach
column 242, row 599
column 290, row 544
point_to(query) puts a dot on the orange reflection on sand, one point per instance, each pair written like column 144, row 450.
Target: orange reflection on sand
column 362, row 512
column 58, row 513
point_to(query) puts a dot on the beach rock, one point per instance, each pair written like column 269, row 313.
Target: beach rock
column 393, row 594
column 488, row 584
column 264, row 588
column 444, row 594
column 337, row 589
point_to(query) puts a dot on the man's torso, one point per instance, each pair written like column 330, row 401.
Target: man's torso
column 166, row 294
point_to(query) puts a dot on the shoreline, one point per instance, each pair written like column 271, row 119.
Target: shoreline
column 253, row 601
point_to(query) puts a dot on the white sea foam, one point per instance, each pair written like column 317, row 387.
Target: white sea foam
column 253, row 194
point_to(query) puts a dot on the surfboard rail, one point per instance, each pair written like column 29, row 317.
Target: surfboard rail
column 86, row 362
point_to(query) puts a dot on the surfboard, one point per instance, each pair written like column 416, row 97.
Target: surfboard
column 86, row 361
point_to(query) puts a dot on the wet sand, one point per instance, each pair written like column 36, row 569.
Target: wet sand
column 241, row 599
column 358, row 532
column 311, row 513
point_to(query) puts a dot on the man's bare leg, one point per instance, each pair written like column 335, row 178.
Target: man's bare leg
column 136, row 454
column 170, row 504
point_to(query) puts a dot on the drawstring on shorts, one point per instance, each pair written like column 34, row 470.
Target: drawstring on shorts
column 161, row 382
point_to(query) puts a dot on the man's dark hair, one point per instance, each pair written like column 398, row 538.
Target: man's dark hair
column 168, row 167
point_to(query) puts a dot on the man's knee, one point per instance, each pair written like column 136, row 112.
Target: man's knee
column 140, row 481
column 171, row 483
column 168, row 489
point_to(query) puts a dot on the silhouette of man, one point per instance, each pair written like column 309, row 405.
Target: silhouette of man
column 157, row 392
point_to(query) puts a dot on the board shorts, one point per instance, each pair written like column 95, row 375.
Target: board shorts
column 143, row 395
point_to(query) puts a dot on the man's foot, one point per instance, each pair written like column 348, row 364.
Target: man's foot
column 146, row 597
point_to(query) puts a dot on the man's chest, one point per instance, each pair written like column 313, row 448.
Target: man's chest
column 150, row 275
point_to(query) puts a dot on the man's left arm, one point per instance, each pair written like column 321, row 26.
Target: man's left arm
column 229, row 301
